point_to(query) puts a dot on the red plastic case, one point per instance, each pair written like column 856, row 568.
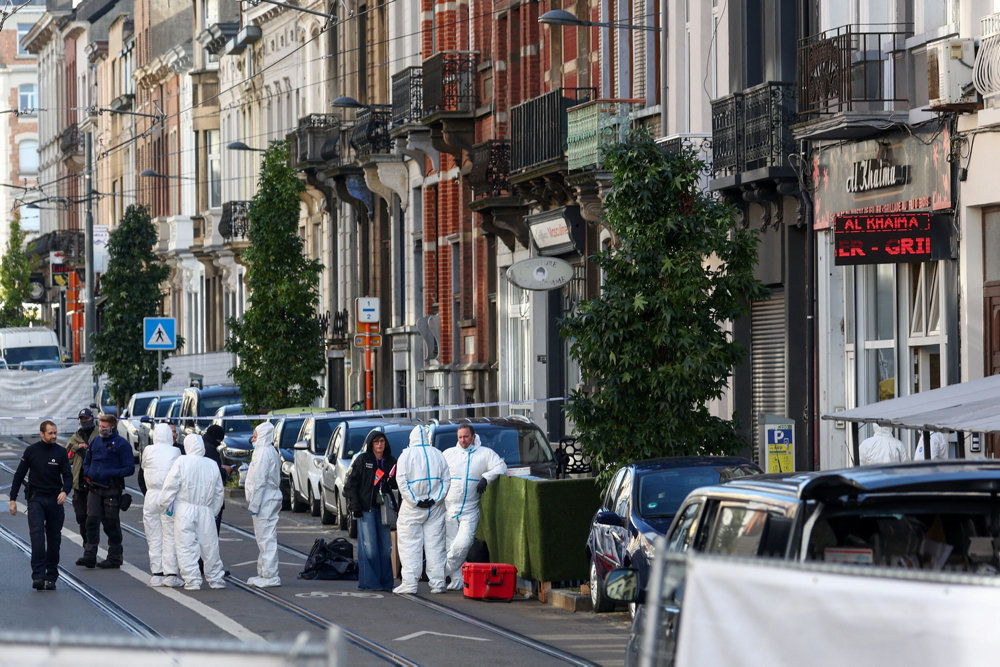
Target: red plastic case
column 489, row 581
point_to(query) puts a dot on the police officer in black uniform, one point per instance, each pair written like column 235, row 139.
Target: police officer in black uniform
column 50, row 479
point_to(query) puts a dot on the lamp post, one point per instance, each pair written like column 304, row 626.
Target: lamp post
column 240, row 146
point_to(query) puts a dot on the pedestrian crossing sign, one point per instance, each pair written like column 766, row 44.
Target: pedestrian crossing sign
column 159, row 333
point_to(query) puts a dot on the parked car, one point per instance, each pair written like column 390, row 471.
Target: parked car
column 135, row 431
column 638, row 506
column 198, row 405
column 519, row 442
column 41, row 365
column 308, row 462
column 936, row 515
column 236, row 447
column 157, row 411
column 102, row 400
column 287, row 424
column 348, row 439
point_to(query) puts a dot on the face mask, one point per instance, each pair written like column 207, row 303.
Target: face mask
column 106, row 432
column 87, row 428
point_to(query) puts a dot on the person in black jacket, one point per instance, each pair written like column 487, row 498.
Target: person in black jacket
column 212, row 437
column 49, row 482
column 369, row 480
column 108, row 462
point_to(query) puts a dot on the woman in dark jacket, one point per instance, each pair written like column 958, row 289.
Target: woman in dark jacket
column 369, row 475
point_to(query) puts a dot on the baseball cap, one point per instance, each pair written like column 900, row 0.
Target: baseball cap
column 85, row 414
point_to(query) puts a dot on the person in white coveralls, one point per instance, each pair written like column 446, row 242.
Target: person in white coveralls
column 192, row 492
column 472, row 467
column 263, row 493
column 156, row 461
column 882, row 447
column 423, row 478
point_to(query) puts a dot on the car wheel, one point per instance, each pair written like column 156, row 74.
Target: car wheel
column 314, row 503
column 598, row 598
column 325, row 516
column 298, row 505
column 342, row 515
column 352, row 530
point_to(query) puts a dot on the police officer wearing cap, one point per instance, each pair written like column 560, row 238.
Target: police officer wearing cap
column 76, row 449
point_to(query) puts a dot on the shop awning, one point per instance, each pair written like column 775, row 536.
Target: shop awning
column 972, row 406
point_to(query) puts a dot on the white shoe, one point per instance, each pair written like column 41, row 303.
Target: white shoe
column 172, row 581
column 269, row 582
column 156, row 580
column 439, row 590
column 455, row 585
column 192, row 586
column 217, row 584
column 253, row 581
column 404, row 588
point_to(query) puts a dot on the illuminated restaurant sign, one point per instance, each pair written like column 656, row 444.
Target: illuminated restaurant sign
column 889, row 238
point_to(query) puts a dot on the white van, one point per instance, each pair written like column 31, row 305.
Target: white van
column 20, row 344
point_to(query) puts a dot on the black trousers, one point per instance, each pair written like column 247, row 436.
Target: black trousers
column 45, row 522
column 102, row 510
column 80, row 510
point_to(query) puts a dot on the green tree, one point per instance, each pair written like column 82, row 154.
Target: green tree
column 654, row 346
column 278, row 342
column 131, row 286
column 15, row 278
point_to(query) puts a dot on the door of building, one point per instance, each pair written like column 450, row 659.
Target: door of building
column 991, row 296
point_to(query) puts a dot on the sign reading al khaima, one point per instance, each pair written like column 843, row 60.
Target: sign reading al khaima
column 890, row 238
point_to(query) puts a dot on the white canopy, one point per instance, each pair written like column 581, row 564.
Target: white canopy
column 972, row 406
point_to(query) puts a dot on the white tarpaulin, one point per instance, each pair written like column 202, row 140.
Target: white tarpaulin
column 737, row 613
column 29, row 397
column 967, row 406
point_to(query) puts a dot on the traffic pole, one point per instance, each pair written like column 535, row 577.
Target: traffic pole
column 368, row 368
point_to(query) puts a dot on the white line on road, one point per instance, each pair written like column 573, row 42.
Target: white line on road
column 439, row 634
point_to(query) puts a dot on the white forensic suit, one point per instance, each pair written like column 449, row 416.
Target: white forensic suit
column 193, row 489
column 939, row 446
column 263, row 493
column 468, row 468
column 156, row 461
column 882, row 447
column 422, row 475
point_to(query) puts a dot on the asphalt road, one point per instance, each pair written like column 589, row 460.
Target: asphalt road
column 425, row 629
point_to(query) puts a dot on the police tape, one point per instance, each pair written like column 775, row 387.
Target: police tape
column 320, row 412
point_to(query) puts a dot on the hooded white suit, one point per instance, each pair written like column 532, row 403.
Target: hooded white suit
column 939, row 446
column 156, row 462
column 194, row 488
column 422, row 474
column 468, row 466
column 263, row 492
column 882, row 448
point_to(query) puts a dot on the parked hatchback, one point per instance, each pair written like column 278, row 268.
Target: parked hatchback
column 938, row 515
column 309, row 461
column 639, row 505
column 198, row 405
column 287, row 424
column 349, row 439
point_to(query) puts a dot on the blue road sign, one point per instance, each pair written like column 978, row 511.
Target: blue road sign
column 159, row 333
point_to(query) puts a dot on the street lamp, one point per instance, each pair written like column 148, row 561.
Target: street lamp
column 562, row 17
column 240, row 146
column 346, row 102
column 152, row 173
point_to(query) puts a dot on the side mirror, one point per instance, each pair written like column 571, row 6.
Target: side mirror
column 301, row 444
column 94, row 406
column 622, row 585
column 609, row 519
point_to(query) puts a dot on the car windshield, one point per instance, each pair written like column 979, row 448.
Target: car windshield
column 355, row 441
column 322, row 430
column 661, row 492
column 290, row 433
column 235, row 425
column 16, row 355
column 516, row 445
column 163, row 405
column 140, row 404
column 209, row 404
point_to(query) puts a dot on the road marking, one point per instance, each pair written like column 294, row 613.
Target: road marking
column 439, row 634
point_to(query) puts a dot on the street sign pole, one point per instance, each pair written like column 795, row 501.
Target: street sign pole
column 367, row 312
column 159, row 370
column 368, row 369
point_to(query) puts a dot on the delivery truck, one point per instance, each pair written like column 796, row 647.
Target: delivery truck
column 21, row 344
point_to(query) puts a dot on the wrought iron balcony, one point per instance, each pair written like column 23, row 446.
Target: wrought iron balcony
column 593, row 127
column 235, row 224
column 844, row 69
column 335, row 324
column 71, row 141
column 315, row 140
column 490, row 174
column 371, row 130
column 449, row 81
column 752, row 131
column 408, row 96
column 539, row 128
column 986, row 74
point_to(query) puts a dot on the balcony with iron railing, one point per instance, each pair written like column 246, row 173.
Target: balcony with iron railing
column 371, row 130
column 71, row 141
column 235, row 223
column 315, row 140
column 751, row 135
column 593, row 127
column 501, row 210
column 539, row 129
column 449, row 81
column 986, row 72
column 490, row 172
column 851, row 81
column 408, row 96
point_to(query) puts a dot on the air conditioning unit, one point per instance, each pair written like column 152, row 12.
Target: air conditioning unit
column 949, row 75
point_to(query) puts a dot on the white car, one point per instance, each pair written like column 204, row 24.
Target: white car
column 308, row 462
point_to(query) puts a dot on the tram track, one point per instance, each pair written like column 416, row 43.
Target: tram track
column 355, row 639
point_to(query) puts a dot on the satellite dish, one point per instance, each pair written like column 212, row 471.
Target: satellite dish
column 540, row 273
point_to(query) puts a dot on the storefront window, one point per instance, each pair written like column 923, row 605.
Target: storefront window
column 881, row 316
column 877, row 296
column 515, row 349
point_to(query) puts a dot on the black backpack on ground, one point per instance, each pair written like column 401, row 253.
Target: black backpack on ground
column 330, row 560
